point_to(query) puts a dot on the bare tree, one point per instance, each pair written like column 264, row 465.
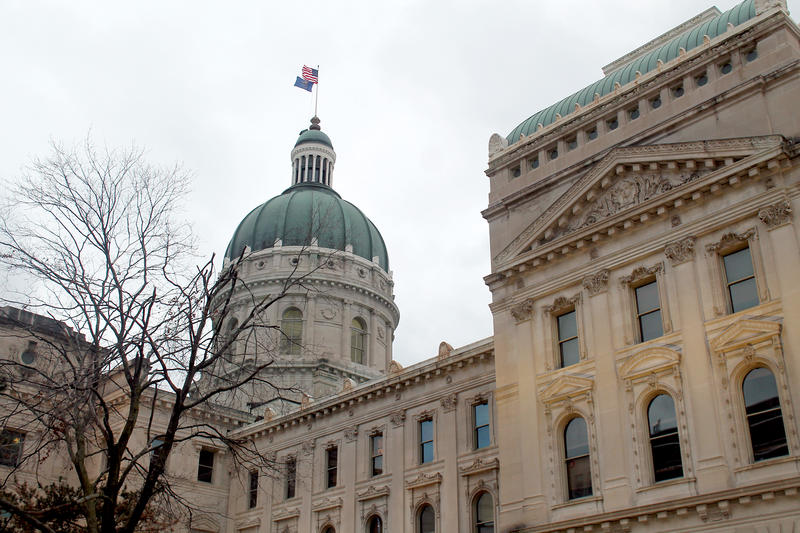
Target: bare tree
column 131, row 337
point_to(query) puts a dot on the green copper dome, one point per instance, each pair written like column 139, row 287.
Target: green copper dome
column 314, row 136
column 688, row 40
column 308, row 211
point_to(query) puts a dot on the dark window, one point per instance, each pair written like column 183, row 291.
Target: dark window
column 205, row 466
column 591, row 134
column 553, row 153
column 726, row 67
column 664, row 442
column 325, row 171
column 516, row 172
column 740, row 280
column 426, row 520
column 484, row 514
column 751, row 55
column 568, row 348
column 376, row 460
column 329, row 529
column 317, row 168
column 303, row 176
column 291, row 477
column 648, row 312
column 576, row 451
column 425, row 441
column 633, row 113
column 358, row 340
column 701, row 80
column 572, row 143
column 764, row 418
column 535, row 162
column 291, row 331
column 375, row 525
column 154, row 445
column 677, row 92
column 612, row 124
column 480, row 416
column 11, row 442
column 655, row 103
column 253, row 501
column 331, row 466
column 28, row 357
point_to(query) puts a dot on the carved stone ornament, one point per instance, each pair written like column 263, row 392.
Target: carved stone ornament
column 350, row 434
column 680, row 251
column 381, row 333
column 641, row 272
column 774, row 216
column 398, row 418
column 497, row 143
column 347, row 384
column 730, row 239
column 328, row 313
column 561, row 303
column 395, row 367
column 444, row 350
column 596, row 283
column 449, row 402
column 522, row 311
column 308, row 447
column 306, row 401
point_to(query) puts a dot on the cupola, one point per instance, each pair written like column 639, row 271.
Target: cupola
column 313, row 156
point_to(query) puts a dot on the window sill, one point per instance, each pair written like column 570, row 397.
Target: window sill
column 768, row 462
column 665, row 484
column 577, row 501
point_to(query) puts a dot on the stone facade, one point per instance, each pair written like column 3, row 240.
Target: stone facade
column 619, row 209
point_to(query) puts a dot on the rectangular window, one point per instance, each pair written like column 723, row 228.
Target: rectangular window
column 480, row 420
column 253, row 501
column 568, row 347
column 740, row 280
column 425, row 441
column 376, row 447
column 648, row 312
column 291, row 477
column 155, row 444
column 331, row 464
column 205, row 466
column 11, row 442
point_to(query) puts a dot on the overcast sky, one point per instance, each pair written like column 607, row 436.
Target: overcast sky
column 410, row 91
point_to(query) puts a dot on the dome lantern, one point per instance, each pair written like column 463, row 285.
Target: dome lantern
column 313, row 156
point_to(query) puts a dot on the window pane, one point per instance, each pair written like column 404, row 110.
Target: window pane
column 377, row 465
column 651, row 325
column 764, row 417
column 579, row 477
column 205, row 466
column 375, row 525
column 661, row 415
column 482, row 439
column 427, row 522
column 427, row 452
column 569, row 352
column 744, row 295
column 647, row 297
column 738, row 265
column 426, row 430
column 576, row 441
column 567, row 326
column 760, row 391
column 667, row 462
column 483, row 508
column 481, row 414
column 11, row 443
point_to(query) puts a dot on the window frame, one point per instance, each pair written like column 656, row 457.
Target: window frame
column 205, row 472
column 476, row 427
column 646, row 404
column 639, row 277
column 252, row 493
column 565, row 459
column 729, row 284
column 639, row 314
column 745, row 416
column 7, row 448
column 561, row 306
column 421, row 444
column 732, row 242
column 358, row 334
column 331, row 467
column 290, row 483
column 369, row 522
column 291, row 344
column 373, row 455
column 418, row 517
column 476, row 525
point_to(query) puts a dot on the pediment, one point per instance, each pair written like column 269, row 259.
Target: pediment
column 631, row 185
column 649, row 361
column 566, row 386
column 744, row 332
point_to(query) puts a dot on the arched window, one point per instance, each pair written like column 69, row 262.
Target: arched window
column 358, row 340
column 576, row 452
column 317, row 168
column 664, row 442
column 291, row 331
column 764, row 419
column 374, row 525
column 329, row 529
column 302, row 168
column 426, row 520
column 229, row 337
column 325, row 171
column 484, row 514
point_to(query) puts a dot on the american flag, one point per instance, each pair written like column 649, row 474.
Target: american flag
column 310, row 74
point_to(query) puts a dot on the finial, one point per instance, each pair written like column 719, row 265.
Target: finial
column 314, row 123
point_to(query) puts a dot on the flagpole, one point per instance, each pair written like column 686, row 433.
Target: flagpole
column 316, row 96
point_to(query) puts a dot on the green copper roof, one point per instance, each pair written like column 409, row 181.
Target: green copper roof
column 306, row 211
column 647, row 62
column 314, row 136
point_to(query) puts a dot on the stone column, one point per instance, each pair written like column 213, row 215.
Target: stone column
column 372, row 339
column 347, row 312
column 348, row 467
column 394, row 459
column 447, row 434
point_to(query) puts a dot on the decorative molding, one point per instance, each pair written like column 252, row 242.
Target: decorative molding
column 423, row 480
column 640, row 273
column 350, row 434
column 395, row 367
column 479, row 465
column 562, row 304
column 730, row 240
column 308, row 447
column 445, row 350
column 327, row 503
column 596, row 283
column 373, row 492
column 776, row 215
column 522, row 311
column 449, row 402
column 398, row 419
column 680, row 251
